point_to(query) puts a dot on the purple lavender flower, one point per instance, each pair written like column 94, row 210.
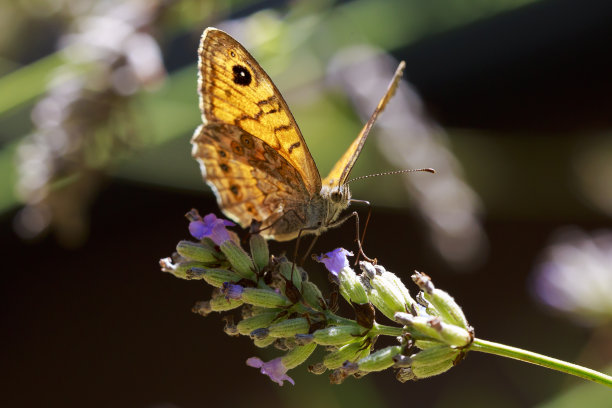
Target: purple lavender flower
column 211, row 227
column 232, row 291
column 335, row 260
column 273, row 369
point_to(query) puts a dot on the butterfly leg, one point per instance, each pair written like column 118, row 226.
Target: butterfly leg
column 343, row 220
column 365, row 227
column 309, row 250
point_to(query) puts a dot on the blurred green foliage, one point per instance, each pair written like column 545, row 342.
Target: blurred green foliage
column 298, row 47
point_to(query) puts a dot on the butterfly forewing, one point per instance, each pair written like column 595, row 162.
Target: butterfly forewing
column 235, row 90
column 250, row 149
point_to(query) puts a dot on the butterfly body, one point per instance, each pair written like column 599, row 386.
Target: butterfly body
column 252, row 153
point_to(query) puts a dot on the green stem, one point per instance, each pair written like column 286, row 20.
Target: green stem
column 541, row 360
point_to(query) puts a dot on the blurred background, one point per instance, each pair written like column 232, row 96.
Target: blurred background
column 508, row 100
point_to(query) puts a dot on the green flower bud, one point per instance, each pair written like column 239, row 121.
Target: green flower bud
column 214, row 277
column 397, row 282
column 311, row 295
column 195, row 251
column 379, row 360
column 240, row 260
column 444, row 303
column 449, row 310
column 351, row 287
column 221, row 304
column 434, row 355
column 349, row 352
column 435, row 328
column 264, row 297
column 298, row 355
column 420, row 327
column 425, row 344
column 264, row 342
column 388, row 305
column 455, row 335
column 289, row 327
column 292, row 273
column 337, row 335
column 261, row 320
column 433, row 361
column 181, row 269
column 259, row 251
column 387, row 293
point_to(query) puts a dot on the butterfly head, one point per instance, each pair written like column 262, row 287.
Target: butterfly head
column 337, row 198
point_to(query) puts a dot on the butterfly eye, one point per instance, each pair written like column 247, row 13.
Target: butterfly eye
column 336, row 196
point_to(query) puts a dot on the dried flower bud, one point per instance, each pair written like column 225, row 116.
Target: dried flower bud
column 221, row 304
column 202, row 308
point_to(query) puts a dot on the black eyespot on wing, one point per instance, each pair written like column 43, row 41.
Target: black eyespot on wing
column 235, row 190
column 242, row 76
column 246, row 140
column 237, row 148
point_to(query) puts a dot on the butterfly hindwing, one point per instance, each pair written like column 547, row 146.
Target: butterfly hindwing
column 250, row 179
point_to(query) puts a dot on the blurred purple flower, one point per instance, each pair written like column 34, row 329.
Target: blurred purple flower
column 273, row 369
column 211, row 227
column 575, row 275
column 335, row 260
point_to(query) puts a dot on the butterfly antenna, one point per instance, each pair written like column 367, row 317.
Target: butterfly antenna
column 355, row 149
column 427, row 170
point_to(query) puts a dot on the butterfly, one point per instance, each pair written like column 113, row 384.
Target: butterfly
column 252, row 153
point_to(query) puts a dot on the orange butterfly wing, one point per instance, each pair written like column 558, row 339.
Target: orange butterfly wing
column 250, row 148
column 234, row 89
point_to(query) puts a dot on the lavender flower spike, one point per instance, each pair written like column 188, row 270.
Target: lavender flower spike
column 273, row 369
column 335, row 260
column 211, row 227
